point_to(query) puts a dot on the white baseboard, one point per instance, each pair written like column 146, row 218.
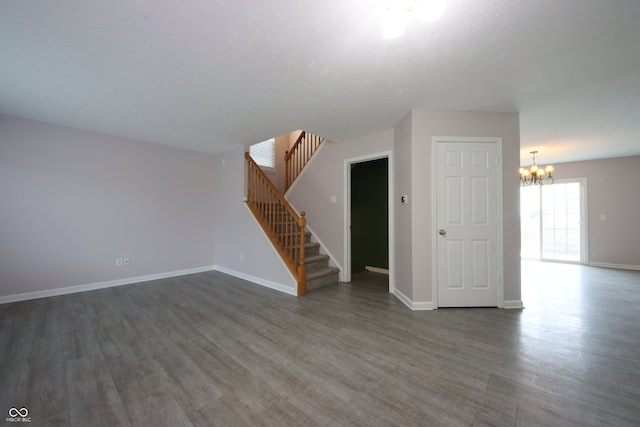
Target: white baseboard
column 513, row 304
column 428, row 305
column 425, row 305
column 377, row 269
column 258, row 281
column 100, row 285
column 618, row 266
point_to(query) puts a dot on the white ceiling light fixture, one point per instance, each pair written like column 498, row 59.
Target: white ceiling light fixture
column 393, row 19
column 395, row 14
column 429, row 10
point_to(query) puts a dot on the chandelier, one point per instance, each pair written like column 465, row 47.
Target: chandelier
column 536, row 174
column 395, row 13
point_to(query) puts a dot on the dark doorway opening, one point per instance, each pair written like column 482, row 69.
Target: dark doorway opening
column 370, row 216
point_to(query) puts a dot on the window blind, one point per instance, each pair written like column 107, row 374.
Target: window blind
column 264, row 153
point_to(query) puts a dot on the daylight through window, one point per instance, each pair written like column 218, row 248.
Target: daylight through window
column 264, row 153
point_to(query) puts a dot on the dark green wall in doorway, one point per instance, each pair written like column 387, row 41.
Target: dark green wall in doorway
column 369, row 215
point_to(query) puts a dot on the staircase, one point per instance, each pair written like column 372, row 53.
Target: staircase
column 319, row 272
column 287, row 230
column 299, row 155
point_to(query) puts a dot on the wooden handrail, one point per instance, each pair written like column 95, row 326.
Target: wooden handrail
column 297, row 157
column 279, row 221
column 294, row 147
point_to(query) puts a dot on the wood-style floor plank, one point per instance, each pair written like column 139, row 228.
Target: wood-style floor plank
column 85, row 378
column 210, row 349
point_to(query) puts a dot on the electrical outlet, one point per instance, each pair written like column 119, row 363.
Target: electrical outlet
column 118, row 262
column 125, row 261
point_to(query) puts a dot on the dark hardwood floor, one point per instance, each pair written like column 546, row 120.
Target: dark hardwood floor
column 209, row 350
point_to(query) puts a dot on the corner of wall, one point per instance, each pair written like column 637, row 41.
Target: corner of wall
column 413, row 305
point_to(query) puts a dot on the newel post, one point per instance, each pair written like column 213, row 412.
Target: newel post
column 286, row 170
column 302, row 268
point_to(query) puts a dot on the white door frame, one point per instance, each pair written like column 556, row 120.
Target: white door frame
column 434, row 225
column 346, row 275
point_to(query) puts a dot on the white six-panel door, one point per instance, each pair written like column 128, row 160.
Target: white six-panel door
column 467, row 224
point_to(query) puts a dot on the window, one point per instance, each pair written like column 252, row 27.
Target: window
column 552, row 222
column 561, row 222
column 264, row 153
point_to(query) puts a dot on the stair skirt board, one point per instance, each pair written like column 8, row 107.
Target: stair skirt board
column 319, row 272
column 323, row 250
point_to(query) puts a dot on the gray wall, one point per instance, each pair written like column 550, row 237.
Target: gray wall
column 403, row 271
column 72, row 201
column 413, row 139
column 612, row 190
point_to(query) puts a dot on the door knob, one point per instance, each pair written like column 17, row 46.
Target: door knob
column 442, row 232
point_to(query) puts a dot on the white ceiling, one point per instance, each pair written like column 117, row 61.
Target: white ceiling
column 206, row 75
